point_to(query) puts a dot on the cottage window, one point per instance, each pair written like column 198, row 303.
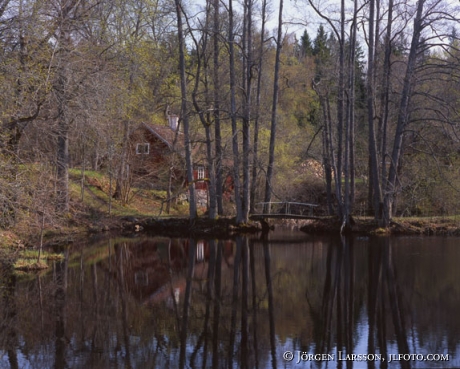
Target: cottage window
column 142, row 148
column 200, row 172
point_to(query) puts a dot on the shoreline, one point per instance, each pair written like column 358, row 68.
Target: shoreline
column 227, row 227
column 12, row 244
column 433, row 226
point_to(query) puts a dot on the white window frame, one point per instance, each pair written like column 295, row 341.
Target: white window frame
column 145, row 150
column 201, row 172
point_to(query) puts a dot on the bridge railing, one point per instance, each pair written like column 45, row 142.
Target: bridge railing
column 286, row 207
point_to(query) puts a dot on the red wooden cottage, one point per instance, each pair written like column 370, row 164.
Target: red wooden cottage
column 157, row 155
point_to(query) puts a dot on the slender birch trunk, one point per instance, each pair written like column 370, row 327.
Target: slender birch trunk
column 184, row 113
column 271, row 155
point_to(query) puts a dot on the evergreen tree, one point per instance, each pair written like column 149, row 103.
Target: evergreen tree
column 320, row 48
column 321, row 52
column 306, row 47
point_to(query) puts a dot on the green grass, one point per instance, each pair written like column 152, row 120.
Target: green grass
column 33, row 255
column 76, row 174
column 142, row 202
column 28, row 265
column 28, row 260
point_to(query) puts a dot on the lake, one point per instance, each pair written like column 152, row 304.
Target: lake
column 288, row 301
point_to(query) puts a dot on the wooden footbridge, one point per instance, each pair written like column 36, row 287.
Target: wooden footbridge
column 284, row 210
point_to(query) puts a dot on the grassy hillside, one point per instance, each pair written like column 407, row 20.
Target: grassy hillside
column 91, row 208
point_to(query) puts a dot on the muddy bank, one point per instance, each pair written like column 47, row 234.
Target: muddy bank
column 184, row 227
column 226, row 227
column 399, row 226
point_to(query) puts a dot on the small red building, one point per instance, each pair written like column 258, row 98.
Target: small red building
column 157, row 159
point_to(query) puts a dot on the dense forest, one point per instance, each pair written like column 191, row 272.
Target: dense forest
column 358, row 114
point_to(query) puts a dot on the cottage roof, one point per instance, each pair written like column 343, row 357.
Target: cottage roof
column 174, row 139
column 166, row 134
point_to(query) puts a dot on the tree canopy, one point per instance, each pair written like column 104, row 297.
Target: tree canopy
column 372, row 100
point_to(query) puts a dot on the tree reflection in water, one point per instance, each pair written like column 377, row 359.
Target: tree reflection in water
column 9, row 321
column 271, row 313
column 60, row 281
column 184, row 303
column 339, row 294
column 244, row 268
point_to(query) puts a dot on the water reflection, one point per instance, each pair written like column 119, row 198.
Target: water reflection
column 9, row 335
column 182, row 303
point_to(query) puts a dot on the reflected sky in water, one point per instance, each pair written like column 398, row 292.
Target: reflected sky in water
column 155, row 302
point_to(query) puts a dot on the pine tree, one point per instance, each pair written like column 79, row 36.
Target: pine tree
column 306, row 47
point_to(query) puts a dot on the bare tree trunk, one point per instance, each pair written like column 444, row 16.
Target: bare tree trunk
column 340, row 112
column 122, row 185
column 184, row 113
column 351, row 103
column 327, row 148
column 341, row 160
column 83, row 170
column 236, row 155
column 343, row 118
column 274, row 119
column 217, row 128
column 63, row 124
column 247, row 87
column 169, row 193
column 327, row 167
column 201, row 76
column 255, row 146
column 62, row 159
column 337, row 176
column 212, row 190
column 391, row 185
column 212, row 206
column 67, row 16
column 385, row 97
column 374, row 171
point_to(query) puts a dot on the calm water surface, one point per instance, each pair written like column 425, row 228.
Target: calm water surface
column 290, row 301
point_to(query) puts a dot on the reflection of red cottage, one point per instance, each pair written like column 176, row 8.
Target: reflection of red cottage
column 156, row 268
column 158, row 159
